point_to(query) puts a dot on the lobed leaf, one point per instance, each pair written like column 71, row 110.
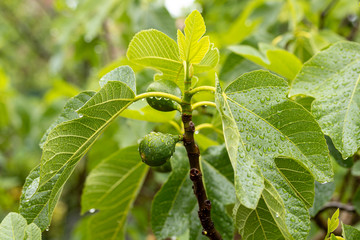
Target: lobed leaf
column 156, row 50
column 260, row 123
column 266, row 221
column 332, row 78
column 111, row 188
column 193, row 46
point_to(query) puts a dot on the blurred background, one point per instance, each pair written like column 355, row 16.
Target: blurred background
column 50, row 50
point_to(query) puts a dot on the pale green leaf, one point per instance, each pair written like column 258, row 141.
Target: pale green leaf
column 111, row 188
column 192, row 45
column 175, row 200
column 333, row 223
column 32, row 232
column 277, row 60
column 14, row 227
column 332, row 78
column 350, row 233
column 261, row 123
column 154, row 49
column 209, row 61
column 298, row 177
column 266, row 221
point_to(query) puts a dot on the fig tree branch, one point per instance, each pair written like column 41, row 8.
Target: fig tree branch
column 193, row 153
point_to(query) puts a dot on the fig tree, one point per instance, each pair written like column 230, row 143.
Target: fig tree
column 161, row 103
column 157, row 148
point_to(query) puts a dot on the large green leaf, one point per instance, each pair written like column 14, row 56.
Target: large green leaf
column 261, row 123
column 277, row 60
column 69, row 141
column 175, row 200
column 14, row 227
column 193, row 46
column 65, row 146
column 332, row 78
column 266, row 221
column 111, row 188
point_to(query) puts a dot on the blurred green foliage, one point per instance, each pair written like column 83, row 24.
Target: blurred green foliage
column 50, row 50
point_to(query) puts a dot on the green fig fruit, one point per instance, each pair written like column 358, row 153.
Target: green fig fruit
column 161, row 103
column 157, row 148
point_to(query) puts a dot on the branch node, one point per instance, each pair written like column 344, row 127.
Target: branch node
column 195, row 174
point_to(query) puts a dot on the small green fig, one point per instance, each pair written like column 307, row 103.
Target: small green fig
column 157, row 148
column 161, row 103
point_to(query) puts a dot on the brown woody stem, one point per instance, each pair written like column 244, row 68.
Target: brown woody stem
column 193, row 153
column 196, row 177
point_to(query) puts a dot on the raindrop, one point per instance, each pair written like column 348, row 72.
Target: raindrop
column 92, row 210
column 277, row 214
